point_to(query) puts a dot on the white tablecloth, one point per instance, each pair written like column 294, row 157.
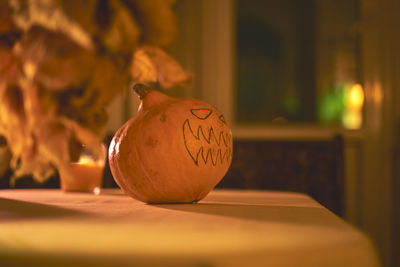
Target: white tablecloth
column 227, row 228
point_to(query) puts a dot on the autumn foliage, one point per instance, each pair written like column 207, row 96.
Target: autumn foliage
column 62, row 62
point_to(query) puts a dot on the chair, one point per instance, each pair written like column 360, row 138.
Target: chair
column 314, row 167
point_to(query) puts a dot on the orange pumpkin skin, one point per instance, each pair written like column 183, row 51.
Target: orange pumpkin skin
column 172, row 151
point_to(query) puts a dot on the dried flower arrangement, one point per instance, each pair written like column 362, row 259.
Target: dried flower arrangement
column 63, row 61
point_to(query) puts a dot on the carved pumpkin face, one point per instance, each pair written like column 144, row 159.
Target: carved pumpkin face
column 206, row 141
column 172, row 150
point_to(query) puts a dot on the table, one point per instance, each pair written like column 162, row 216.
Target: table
column 227, row 228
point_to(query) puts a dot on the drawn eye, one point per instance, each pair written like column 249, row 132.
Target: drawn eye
column 201, row 113
column 222, row 118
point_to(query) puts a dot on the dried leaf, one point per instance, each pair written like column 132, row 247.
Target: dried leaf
column 10, row 67
column 149, row 61
column 123, row 33
column 86, row 105
column 6, row 23
column 39, row 138
column 156, row 19
column 82, row 13
column 108, row 80
column 63, row 62
column 143, row 68
column 12, row 124
column 60, row 63
column 48, row 14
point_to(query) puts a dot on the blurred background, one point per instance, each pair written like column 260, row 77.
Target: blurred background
column 310, row 89
column 312, row 83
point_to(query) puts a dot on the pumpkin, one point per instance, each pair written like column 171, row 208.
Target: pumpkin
column 174, row 150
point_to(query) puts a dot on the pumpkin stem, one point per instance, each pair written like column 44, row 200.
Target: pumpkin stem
column 141, row 89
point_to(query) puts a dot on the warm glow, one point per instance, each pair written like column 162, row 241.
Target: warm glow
column 87, row 175
column 87, row 160
column 377, row 94
column 352, row 118
column 355, row 97
column 96, row 191
column 29, row 69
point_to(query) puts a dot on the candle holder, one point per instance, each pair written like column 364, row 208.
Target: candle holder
column 86, row 173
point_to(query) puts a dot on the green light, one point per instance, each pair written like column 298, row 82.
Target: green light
column 332, row 105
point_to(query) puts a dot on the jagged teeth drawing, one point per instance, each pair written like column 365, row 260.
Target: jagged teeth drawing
column 216, row 149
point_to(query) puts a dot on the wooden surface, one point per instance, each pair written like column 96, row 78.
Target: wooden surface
column 228, row 228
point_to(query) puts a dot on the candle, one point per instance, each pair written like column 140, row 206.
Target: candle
column 86, row 175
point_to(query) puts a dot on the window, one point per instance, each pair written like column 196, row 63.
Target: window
column 297, row 62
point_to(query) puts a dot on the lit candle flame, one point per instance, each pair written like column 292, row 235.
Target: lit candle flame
column 352, row 118
column 355, row 97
